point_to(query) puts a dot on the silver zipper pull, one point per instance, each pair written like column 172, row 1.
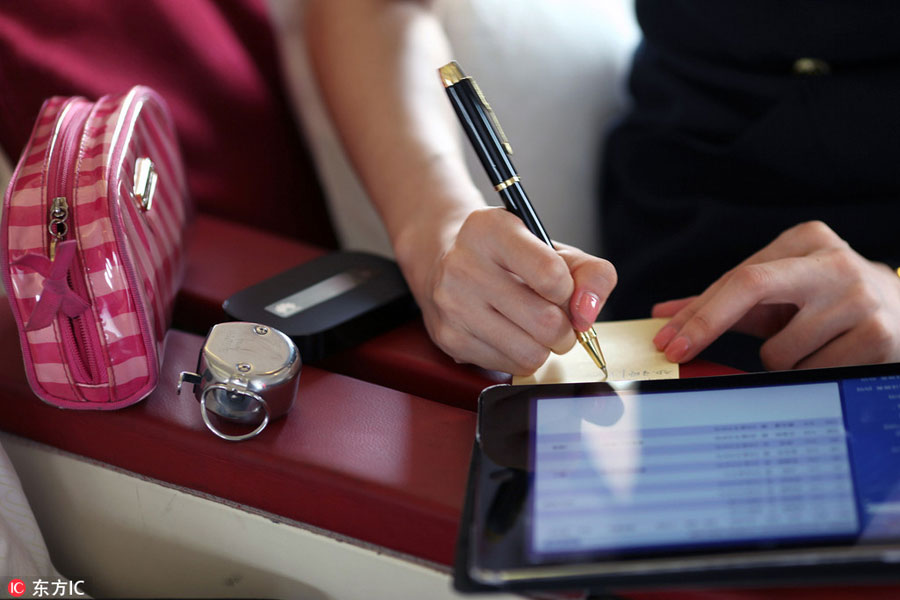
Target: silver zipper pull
column 144, row 182
column 59, row 227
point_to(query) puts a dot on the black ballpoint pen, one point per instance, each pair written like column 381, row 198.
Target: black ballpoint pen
column 493, row 150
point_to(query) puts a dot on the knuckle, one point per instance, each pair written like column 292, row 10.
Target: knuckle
column 549, row 324
column 880, row 338
column 701, row 324
column 610, row 274
column 566, row 343
column 601, row 278
column 816, row 231
column 862, row 299
column 595, row 273
column 844, row 262
column 446, row 337
column 531, row 357
column 443, row 297
column 551, row 278
column 750, row 277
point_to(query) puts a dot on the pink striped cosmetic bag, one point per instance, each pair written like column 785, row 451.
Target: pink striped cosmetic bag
column 91, row 247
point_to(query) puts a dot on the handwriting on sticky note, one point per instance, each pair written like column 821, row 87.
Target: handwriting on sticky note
column 628, row 349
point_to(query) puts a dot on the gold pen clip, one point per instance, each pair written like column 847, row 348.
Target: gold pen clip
column 493, row 117
column 451, row 74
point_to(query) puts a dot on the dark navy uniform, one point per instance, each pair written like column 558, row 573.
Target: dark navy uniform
column 751, row 116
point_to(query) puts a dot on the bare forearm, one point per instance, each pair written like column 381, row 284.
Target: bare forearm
column 376, row 63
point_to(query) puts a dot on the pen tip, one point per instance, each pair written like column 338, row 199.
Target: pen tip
column 590, row 343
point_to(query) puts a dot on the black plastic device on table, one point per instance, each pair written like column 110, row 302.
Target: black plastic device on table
column 329, row 304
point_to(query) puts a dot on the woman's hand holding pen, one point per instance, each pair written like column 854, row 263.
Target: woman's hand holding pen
column 491, row 293
column 499, row 297
column 817, row 301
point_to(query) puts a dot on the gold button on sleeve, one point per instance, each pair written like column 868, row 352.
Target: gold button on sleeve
column 811, row 66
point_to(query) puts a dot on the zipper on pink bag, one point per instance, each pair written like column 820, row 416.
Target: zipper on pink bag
column 78, row 337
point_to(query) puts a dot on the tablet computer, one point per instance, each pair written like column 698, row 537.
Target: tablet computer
column 766, row 478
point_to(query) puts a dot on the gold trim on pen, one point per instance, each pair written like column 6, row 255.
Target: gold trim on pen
column 492, row 116
column 505, row 184
column 451, row 74
column 588, row 340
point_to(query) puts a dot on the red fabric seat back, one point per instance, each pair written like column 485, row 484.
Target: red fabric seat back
column 216, row 65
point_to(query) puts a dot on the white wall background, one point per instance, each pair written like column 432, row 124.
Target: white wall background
column 553, row 72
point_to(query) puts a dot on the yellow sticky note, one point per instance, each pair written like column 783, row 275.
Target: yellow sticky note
column 627, row 347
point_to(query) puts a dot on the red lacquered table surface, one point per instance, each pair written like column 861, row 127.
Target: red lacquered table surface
column 376, row 448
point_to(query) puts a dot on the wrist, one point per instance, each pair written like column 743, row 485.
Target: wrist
column 426, row 233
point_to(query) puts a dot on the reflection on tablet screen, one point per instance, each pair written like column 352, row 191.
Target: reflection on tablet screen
column 638, row 473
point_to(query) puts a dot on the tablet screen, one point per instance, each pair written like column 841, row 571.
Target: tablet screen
column 703, row 467
column 637, row 471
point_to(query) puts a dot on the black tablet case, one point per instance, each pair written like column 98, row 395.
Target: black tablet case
column 598, row 588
